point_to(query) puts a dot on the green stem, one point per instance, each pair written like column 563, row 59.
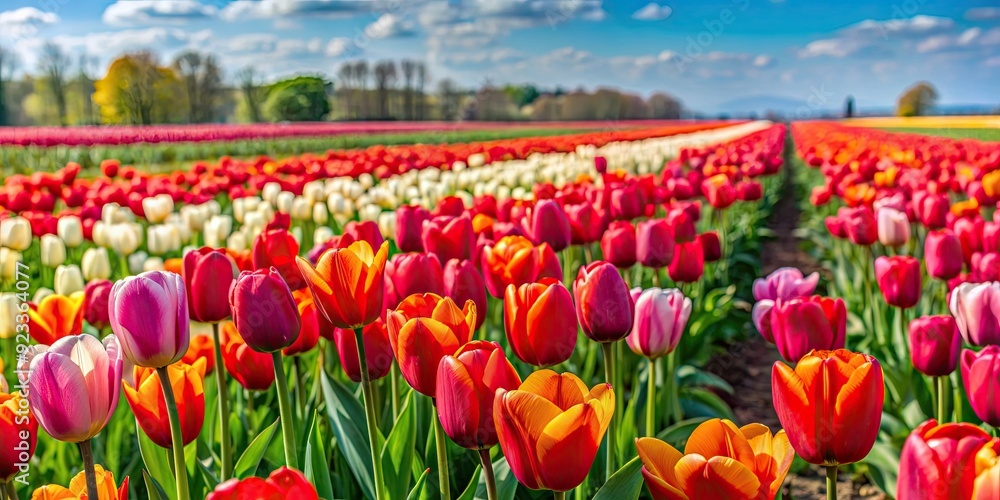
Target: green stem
column 609, row 373
column 123, row 264
column 670, row 383
column 958, row 401
column 442, row 456
column 285, row 412
column 300, row 387
column 831, row 482
column 176, row 439
column 656, row 277
column 394, row 390
column 559, row 495
column 491, row 481
column 88, row 468
column 651, row 399
column 223, row 390
column 11, row 491
column 366, row 391
column 941, row 385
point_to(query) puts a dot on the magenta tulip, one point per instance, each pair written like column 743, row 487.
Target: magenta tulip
column 943, row 254
column 618, row 244
column 96, row 294
column 462, row 282
column 899, row 278
column 938, row 461
column 800, row 325
column 654, row 243
column 410, row 273
column 208, row 273
column 784, row 283
column 587, row 224
column 660, row 318
column 934, row 345
column 149, row 314
column 976, row 308
column 449, row 237
column 409, row 227
column 981, row 377
column 547, row 223
column 264, row 311
column 603, row 305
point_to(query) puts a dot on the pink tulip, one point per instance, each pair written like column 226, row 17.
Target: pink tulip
column 603, row 305
column 409, row 227
column 547, row 223
column 934, row 345
column 899, row 278
column 784, row 283
column 75, row 384
column 449, row 237
column 893, row 227
column 803, row 324
column 981, row 377
column 976, row 308
column 654, row 243
column 462, row 282
column 660, row 318
column 363, row 231
column 938, row 462
column 410, row 273
column 149, row 314
column 943, row 254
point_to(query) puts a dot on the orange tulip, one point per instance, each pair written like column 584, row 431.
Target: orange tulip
column 988, row 472
column 311, row 321
column 254, row 370
column 201, row 347
column 145, row 398
column 540, row 322
column 55, row 317
column 106, row 489
column 15, row 419
column 175, row 265
column 551, row 427
column 347, row 283
column 515, row 260
column 719, row 461
column 422, row 330
column 830, row 405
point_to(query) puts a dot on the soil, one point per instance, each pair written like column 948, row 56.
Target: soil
column 747, row 366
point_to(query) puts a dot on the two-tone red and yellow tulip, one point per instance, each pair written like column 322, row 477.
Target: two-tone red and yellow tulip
column 424, row 329
column 348, row 284
column 660, row 318
column 279, row 249
column 149, row 315
column 254, row 370
column 467, row 383
column 56, row 316
column 720, row 461
column 935, row 345
column 145, row 397
column 830, row 405
column 987, row 485
column 19, row 432
column 938, row 461
column 551, row 427
column 208, row 274
column 201, row 347
column 540, row 322
column 281, row 484
column 515, row 260
column 107, row 489
column 74, row 384
column 604, row 306
column 264, row 311
column 981, row 378
column 378, row 351
column 899, row 279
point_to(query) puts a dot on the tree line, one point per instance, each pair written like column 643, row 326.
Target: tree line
column 138, row 88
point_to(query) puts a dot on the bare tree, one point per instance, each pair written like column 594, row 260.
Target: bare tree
column 362, row 72
column 252, row 92
column 53, row 66
column 408, row 68
column 86, row 83
column 421, row 83
column 8, row 63
column 346, row 76
column 202, row 79
column 385, row 78
column 449, row 97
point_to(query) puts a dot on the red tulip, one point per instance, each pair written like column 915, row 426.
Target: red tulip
column 208, row 274
column 449, row 237
column 682, row 225
column 943, row 254
column 410, row 273
column 277, row 248
column 264, row 310
column 711, row 247
column 618, row 244
column 800, row 325
column 935, row 344
column 254, row 370
column 688, row 262
column 466, row 385
column 547, row 223
column 540, row 322
column 899, row 279
column 603, row 304
column 378, row 351
column 981, row 377
column 281, row 484
column 587, row 224
column 719, row 191
column 95, row 303
column 364, row 231
column 654, row 243
column 931, row 209
column 409, row 227
column 861, row 226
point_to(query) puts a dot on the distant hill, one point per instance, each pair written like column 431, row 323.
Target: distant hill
column 761, row 105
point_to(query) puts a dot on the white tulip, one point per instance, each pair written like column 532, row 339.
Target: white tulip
column 237, row 242
column 194, row 216
column 125, row 238
column 476, row 160
column 53, row 251
column 322, row 234
column 15, row 233
column 100, row 234
column 157, row 208
column 181, row 226
column 369, row 212
column 9, row 304
column 217, row 229
column 152, row 264
column 366, row 180
column 162, row 239
column 96, row 264
column 301, row 209
column 69, row 279
column 284, row 202
column 8, row 263
column 109, row 212
column 387, row 224
column 41, row 293
column 313, row 191
column 137, row 262
column 266, row 211
column 337, row 204
column 320, row 214
column 212, row 207
column 70, row 229
column 270, row 191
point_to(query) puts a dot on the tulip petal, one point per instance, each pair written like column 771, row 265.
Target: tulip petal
column 521, row 418
column 717, row 477
column 720, row 438
column 563, row 390
column 457, row 402
column 58, row 397
column 567, row 447
column 659, row 458
column 858, row 413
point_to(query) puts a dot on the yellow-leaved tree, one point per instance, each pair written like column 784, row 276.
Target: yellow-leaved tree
column 136, row 90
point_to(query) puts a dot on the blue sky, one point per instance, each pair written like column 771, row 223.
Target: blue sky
column 708, row 53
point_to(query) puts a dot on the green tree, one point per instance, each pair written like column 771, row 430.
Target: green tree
column 916, row 100
column 303, row 98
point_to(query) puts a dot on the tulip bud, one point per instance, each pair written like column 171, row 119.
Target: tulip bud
column 943, row 254
column 618, row 244
column 462, row 282
column 550, row 337
column 830, row 405
column 660, row 318
column 655, row 243
column 934, row 345
column 277, row 248
column 449, row 237
column 547, row 223
column 688, row 262
column 96, row 265
column 800, row 325
column 15, row 232
column 9, row 305
column 157, row 208
column 893, row 227
column 8, row 263
column 899, row 278
column 149, row 314
column 53, row 251
column 217, row 229
column 70, row 229
column 410, row 273
column 603, row 304
column 861, row 226
column 981, row 377
column 466, row 385
column 68, row 279
column 97, row 294
column 264, row 311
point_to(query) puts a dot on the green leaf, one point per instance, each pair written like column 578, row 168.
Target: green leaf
column 703, row 403
column 417, row 491
column 317, row 469
column 397, row 453
column 153, row 489
column 157, row 461
column 626, row 484
column 883, row 467
column 470, row 490
column 688, row 375
column 506, row 482
column 677, row 435
column 246, row 466
column 347, row 417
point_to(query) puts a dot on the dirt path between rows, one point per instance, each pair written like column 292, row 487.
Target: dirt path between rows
column 747, row 366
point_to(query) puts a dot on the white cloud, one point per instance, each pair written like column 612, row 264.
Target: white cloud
column 983, row 14
column 911, row 27
column 652, row 12
column 340, row 46
column 833, row 47
column 145, row 12
column 389, row 26
column 482, row 56
column 24, row 22
column 993, row 61
column 268, row 9
column 872, row 36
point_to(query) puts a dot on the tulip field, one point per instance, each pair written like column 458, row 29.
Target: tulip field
column 555, row 313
